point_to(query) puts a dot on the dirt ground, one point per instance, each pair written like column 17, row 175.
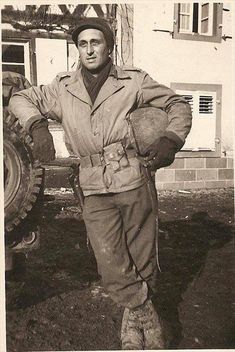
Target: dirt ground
column 57, row 303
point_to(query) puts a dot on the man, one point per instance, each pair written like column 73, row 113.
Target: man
column 93, row 105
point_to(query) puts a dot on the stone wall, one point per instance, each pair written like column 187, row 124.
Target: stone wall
column 192, row 173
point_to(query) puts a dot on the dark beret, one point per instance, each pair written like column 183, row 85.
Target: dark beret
column 97, row 23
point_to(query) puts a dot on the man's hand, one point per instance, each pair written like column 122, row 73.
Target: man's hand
column 43, row 146
column 161, row 153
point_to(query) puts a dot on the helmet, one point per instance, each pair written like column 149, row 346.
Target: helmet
column 97, row 23
column 147, row 124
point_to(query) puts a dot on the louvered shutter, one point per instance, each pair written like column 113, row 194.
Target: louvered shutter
column 206, row 105
column 203, row 106
column 206, row 119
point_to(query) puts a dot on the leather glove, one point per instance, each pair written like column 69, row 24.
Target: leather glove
column 161, row 153
column 43, row 146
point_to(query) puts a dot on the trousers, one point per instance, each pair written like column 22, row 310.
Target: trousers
column 122, row 229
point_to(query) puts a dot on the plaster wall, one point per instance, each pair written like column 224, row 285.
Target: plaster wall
column 172, row 60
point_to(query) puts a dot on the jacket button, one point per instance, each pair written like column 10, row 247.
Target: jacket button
column 96, row 133
column 111, row 156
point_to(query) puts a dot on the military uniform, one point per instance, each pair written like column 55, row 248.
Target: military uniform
column 117, row 208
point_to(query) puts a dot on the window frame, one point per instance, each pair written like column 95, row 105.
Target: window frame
column 189, row 15
column 26, row 63
column 209, row 18
column 15, row 38
column 217, row 89
column 216, row 35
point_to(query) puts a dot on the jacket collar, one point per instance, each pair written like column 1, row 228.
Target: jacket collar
column 74, row 84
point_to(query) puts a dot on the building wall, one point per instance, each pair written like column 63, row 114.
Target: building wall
column 171, row 60
column 192, row 173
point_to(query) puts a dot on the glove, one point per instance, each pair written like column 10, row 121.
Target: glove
column 161, row 153
column 43, row 146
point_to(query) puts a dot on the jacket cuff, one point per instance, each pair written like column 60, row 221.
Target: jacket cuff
column 172, row 136
column 33, row 122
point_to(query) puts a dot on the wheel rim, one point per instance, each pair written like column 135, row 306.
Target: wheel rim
column 12, row 173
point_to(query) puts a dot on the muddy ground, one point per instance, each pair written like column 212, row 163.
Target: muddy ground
column 58, row 303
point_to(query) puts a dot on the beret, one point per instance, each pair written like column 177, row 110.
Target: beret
column 96, row 23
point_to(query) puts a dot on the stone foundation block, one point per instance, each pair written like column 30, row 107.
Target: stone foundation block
column 194, row 163
column 218, row 163
column 207, row 174
column 230, row 163
column 226, row 174
column 185, row 175
column 164, row 175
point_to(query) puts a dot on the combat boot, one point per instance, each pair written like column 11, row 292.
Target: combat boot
column 131, row 333
column 151, row 324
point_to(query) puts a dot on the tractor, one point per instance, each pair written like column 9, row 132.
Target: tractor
column 23, row 178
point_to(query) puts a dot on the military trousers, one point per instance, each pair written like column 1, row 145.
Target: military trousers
column 122, row 229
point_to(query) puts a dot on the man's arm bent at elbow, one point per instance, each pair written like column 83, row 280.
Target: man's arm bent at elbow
column 32, row 107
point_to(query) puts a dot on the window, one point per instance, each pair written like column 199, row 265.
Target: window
column 205, row 102
column 198, row 21
column 15, row 57
column 196, row 18
column 202, row 135
column 205, row 15
column 185, row 18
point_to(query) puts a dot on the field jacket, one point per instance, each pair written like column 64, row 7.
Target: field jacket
column 92, row 128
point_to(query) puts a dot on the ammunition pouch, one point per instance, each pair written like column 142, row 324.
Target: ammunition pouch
column 115, row 155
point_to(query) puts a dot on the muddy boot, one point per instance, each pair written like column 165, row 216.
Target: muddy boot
column 131, row 333
column 152, row 327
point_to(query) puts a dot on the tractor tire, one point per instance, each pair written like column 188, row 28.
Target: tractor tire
column 23, row 177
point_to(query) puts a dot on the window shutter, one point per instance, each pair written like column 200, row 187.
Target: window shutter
column 51, row 58
column 203, row 106
column 206, row 104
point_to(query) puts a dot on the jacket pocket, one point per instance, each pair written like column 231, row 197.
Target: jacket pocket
column 91, row 178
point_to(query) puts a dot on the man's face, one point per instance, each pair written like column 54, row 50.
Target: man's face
column 93, row 49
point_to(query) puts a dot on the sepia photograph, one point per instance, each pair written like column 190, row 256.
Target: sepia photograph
column 117, row 177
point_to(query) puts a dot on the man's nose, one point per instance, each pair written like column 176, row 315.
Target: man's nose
column 90, row 49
